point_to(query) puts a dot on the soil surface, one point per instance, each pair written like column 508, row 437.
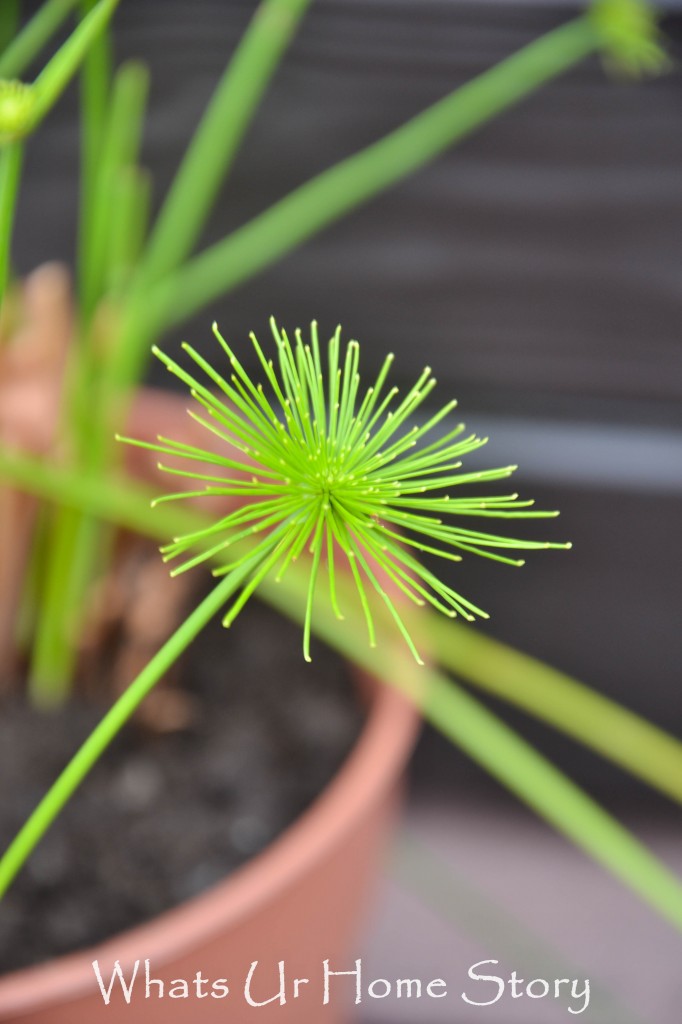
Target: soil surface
column 164, row 816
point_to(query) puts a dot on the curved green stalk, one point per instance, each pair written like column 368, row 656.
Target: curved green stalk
column 78, row 768
column 58, row 72
column 114, row 154
column 618, row 734
column 500, row 751
column 95, row 85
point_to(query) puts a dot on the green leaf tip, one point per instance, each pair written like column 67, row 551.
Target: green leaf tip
column 306, row 462
column 630, row 37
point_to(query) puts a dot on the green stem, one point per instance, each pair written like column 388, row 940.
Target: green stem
column 11, row 159
column 59, row 71
column 357, row 179
column 496, row 747
column 117, row 151
column 595, row 721
column 94, row 93
column 81, row 764
column 211, row 152
column 30, row 41
column 72, row 556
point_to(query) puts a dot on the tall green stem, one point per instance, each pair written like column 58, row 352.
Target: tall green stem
column 499, row 750
column 11, row 158
column 26, row 46
column 211, row 152
column 60, row 69
column 95, row 82
column 568, row 705
column 78, row 768
column 74, row 544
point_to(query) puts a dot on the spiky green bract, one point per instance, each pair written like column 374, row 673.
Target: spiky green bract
column 319, row 464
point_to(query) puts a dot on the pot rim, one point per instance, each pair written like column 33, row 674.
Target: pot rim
column 369, row 770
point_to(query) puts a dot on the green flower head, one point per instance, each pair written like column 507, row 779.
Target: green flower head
column 320, row 465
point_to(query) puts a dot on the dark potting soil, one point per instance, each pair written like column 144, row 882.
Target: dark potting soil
column 162, row 817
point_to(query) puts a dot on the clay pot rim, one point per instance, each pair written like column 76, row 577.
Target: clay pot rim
column 376, row 759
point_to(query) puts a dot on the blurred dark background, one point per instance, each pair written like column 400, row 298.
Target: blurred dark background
column 537, row 267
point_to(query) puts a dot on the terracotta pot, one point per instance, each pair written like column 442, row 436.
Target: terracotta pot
column 300, row 901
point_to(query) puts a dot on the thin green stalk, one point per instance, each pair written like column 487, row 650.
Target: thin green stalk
column 131, row 196
column 615, row 732
column 58, row 72
column 10, row 18
column 94, row 98
column 116, row 500
column 11, row 159
column 27, row 45
column 117, row 148
column 357, row 179
column 210, row 154
column 110, row 132
column 93, row 748
column 503, row 753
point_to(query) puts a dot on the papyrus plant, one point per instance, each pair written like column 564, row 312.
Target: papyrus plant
column 318, row 463
column 138, row 275
column 136, row 278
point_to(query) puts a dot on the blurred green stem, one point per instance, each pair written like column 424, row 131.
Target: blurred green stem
column 569, row 706
column 26, row 46
column 211, row 152
column 95, row 82
column 11, row 159
column 78, row 768
column 447, row 706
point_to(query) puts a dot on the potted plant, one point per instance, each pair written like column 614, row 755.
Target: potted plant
column 130, row 289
